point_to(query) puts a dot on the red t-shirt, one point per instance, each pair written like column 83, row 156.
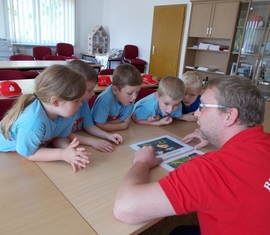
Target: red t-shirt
column 229, row 188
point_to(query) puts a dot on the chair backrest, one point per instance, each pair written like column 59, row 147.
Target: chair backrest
column 53, row 57
column 21, row 57
column 144, row 92
column 130, row 51
column 5, row 105
column 9, row 74
column 40, row 51
column 64, row 49
column 92, row 101
column 106, row 72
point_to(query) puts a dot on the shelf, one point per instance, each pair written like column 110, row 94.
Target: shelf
column 194, row 68
column 196, row 49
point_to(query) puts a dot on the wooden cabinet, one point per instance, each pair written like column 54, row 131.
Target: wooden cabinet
column 211, row 36
column 253, row 47
column 213, row 19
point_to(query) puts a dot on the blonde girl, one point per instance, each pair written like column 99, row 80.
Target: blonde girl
column 39, row 119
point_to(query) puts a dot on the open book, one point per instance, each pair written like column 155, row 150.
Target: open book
column 167, row 147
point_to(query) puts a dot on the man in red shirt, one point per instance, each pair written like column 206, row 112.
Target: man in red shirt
column 228, row 188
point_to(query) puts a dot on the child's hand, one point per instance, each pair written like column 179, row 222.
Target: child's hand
column 126, row 123
column 76, row 156
column 165, row 121
column 153, row 119
column 189, row 117
column 196, row 135
column 102, row 145
column 115, row 138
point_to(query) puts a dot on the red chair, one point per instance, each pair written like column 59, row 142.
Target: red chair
column 66, row 50
column 5, row 105
column 21, row 57
column 53, row 57
column 106, row 72
column 130, row 56
column 92, row 101
column 144, row 92
column 9, row 74
column 40, row 51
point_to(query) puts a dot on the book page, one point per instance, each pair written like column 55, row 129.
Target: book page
column 165, row 146
column 172, row 163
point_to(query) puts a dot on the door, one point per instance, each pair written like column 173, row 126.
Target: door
column 166, row 40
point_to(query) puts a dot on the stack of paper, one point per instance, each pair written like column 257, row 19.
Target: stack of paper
column 203, row 46
column 214, row 47
column 202, row 68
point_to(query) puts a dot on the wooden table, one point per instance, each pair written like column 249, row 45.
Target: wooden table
column 37, row 64
column 48, row 196
column 32, row 204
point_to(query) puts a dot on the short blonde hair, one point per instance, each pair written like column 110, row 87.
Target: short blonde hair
column 172, row 87
column 192, row 79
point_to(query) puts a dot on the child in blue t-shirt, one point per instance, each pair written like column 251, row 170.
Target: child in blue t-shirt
column 113, row 107
column 45, row 117
column 83, row 120
column 191, row 100
column 161, row 107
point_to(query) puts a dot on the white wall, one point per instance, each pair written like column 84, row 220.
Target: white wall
column 125, row 21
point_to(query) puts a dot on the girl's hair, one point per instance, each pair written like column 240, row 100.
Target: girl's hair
column 126, row 74
column 172, row 87
column 85, row 69
column 192, row 79
column 56, row 80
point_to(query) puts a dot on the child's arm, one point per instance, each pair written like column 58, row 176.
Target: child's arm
column 100, row 144
column 96, row 131
column 115, row 125
column 188, row 117
column 153, row 121
column 76, row 156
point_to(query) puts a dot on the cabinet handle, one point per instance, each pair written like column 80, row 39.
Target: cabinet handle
column 210, row 31
column 207, row 31
column 153, row 50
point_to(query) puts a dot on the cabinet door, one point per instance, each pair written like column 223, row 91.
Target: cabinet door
column 223, row 20
column 200, row 19
column 254, row 57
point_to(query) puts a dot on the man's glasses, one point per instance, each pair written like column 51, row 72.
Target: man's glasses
column 218, row 106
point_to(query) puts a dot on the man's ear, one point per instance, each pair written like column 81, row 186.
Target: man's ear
column 232, row 116
column 54, row 101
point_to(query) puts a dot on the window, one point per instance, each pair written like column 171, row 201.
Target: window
column 42, row 22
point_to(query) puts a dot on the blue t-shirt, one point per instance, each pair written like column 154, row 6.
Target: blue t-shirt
column 32, row 129
column 193, row 107
column 148, row 106
column 107, row 108
column 83, row 118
